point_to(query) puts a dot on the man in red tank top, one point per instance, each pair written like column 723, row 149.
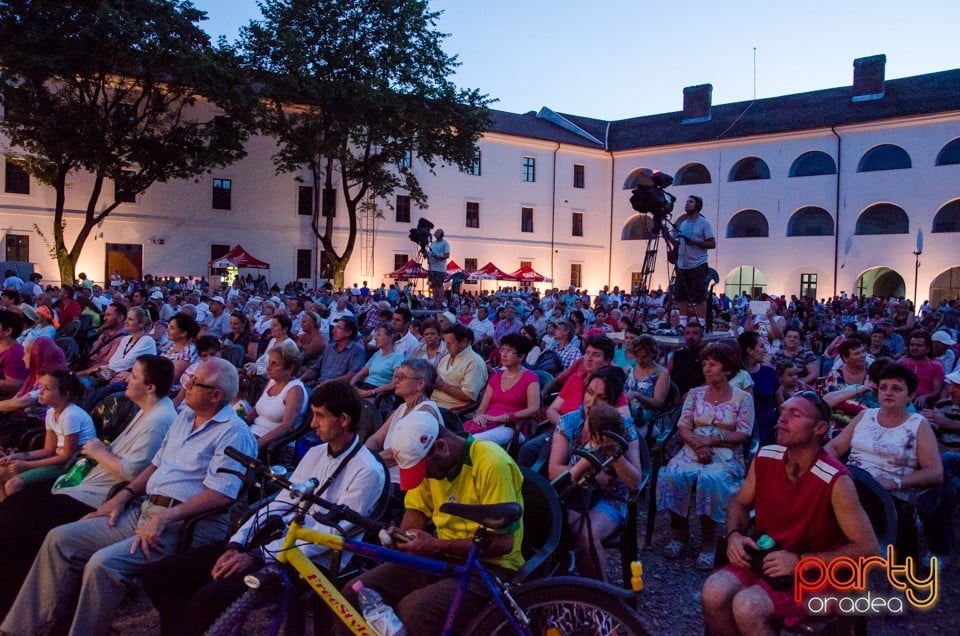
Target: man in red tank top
column 806, row 501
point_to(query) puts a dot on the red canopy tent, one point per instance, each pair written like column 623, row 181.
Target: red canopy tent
column 527, row 274
column 411, row 269
column 239, row 257
column 490, row 272
column 453, row 268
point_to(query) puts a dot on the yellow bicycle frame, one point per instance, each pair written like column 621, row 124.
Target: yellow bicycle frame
column 316, row 579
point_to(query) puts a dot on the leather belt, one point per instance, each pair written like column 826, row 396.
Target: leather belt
column 163, row 502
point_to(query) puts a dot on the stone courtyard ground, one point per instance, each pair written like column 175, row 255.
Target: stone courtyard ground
column 670, row 601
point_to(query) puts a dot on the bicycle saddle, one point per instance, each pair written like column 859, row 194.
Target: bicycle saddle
column 492, row 516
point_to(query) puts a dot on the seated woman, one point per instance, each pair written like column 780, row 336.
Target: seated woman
column 648, row 382
column 38, row 323
column 512, row 394
column 767, row 394
column 240, row 335
column 717, row 420
column 899, row 449
column 180, row 348
column 530, row 333
column 413, row 383
column 375, row 377
column 582, row 428
column 280, row 327
column 111, row 377
column 284, row 400
column 431, row 347
column 42, row 356
column 311, row 340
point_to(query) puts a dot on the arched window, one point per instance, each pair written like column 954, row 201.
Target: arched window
column 638, row 227
column 949, row 155
column 883, row 218
column 884, row 157
column 810, row 221
column 813, row 163
column 692, row 174
column 745, row 278
column 748, row 169
column 948, row 218
column 748, row 224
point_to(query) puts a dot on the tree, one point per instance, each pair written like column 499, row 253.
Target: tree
column 116, row 88
column 356, row 88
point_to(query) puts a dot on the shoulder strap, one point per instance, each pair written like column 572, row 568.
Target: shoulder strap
column 343, row 464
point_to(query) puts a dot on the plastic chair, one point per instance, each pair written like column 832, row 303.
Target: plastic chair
column 542, row 526
column 625, row 539
column 668, row 421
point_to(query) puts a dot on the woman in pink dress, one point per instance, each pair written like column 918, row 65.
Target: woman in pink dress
column 512, row 394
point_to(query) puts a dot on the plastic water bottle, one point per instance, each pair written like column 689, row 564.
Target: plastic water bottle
column 381, row 616
column 80, row 469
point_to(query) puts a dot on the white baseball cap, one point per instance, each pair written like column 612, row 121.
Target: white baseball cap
column 944, row 338
column 412, row 440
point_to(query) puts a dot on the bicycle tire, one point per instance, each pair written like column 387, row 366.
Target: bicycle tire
column 231, row 621
column 564, row 608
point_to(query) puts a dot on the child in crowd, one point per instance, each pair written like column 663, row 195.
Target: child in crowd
column 68, row 427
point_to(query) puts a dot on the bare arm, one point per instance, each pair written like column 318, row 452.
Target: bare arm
column 292, row 408
column 840, row 445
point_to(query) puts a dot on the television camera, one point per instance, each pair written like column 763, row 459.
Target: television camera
column 421, row 235
column 650, row 197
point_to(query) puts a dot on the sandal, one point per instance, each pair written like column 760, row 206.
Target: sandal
column 672, row 549
column 704, row 561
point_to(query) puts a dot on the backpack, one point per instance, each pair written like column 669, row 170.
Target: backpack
column 550, row 362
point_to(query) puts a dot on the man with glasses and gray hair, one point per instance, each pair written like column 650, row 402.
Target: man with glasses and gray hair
column 807, row 503
column 102, row 552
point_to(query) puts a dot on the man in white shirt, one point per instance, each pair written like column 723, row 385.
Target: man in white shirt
column 481, row 326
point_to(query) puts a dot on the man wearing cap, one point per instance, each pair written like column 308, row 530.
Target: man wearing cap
column 436, row 467
column 217, row 322
column 807, row 503
column 942, row 345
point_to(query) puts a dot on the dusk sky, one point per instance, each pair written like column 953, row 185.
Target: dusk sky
column 614, row 59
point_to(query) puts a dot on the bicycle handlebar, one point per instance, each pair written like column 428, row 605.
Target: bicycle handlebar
column 333, row 514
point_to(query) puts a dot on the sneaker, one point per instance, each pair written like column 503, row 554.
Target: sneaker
column 673, row 549
column 704, row 561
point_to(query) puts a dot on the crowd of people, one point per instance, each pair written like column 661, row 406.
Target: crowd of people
column 794, row 386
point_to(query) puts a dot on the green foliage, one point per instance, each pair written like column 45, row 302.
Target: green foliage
column 116, row 88
column 353, row 86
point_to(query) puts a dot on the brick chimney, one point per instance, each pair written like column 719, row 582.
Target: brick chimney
column 696, row 103
column 868, row 77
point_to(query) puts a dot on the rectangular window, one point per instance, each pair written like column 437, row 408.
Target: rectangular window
column 399, row 260
column 578, row 175
column 17, row 181
column 216, row 251
column 221, row 194
column 328, row 207
column 407, row 160
column 577, row 229
column 469, row 265
column 122, row 194
column 403, row 208
column 475, row 166
column 304, row 263
column 18, row 248
column 576, row 272
column 305, row 201
column 808, row 285
column 326, row 266
column 473, row 214
column 526, row 219
column 529, row 169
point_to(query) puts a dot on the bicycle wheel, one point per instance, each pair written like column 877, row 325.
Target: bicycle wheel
column 567, row 608
column 231, row 622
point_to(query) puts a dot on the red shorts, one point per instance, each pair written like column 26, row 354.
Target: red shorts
column 784, row 607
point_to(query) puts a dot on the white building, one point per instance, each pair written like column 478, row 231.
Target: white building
column 818, row 192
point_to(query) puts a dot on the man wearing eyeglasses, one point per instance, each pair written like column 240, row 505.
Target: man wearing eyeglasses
column 806, row 501
column 103, row 551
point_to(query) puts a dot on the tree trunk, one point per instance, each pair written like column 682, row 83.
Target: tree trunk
column 339, row 272
column 66, row 266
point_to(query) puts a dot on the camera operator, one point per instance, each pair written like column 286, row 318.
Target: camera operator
column 437, row 256
column 692, row 237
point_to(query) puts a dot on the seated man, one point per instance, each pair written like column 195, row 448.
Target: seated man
column 29, row 514
column 101, row 552
column 461, row 373
column 437, row 466
column 193, row 588
column 805, row 501
column 342, row 357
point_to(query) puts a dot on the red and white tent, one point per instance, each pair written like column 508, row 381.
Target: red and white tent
column 527, row 274
column 411, row 269
column 239, row 257
column 489, row 272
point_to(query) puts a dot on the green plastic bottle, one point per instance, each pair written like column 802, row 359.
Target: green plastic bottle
column 80, row 469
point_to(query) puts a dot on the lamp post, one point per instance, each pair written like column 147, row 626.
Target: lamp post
column 916, row 267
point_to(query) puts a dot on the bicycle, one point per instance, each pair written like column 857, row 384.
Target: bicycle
column 554, row 606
